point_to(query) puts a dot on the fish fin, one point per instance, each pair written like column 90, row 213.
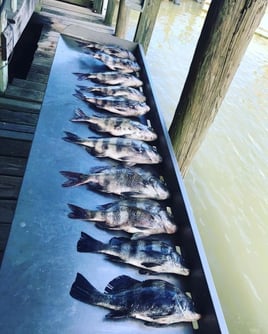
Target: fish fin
column 117, row 241
column 95, row 186
column 88, row 244
column 117, row 314
column 120, row 283
column 139, row 235
column 95, row 127
column 151, row 264
column 98, row 169
column 114, row 258
column 74, row 179
column 83, row 87
column 130, row 193
column 81, row 76
column 79, row 95
column 105, row 206
column 72, row 138
column 146, row 272
column 78, row 212
column 80, row 116
column 153, row 324
column 84, row 291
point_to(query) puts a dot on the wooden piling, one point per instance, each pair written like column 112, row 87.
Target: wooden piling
column 227, row 31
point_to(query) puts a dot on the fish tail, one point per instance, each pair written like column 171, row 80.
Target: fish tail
column 72, row 138
column 85, row 88
column 85, row 292
column 87, row 244
column 84, row 214
column 81, row 76
column 74, row 179
column 79, row 95
column 80, row 116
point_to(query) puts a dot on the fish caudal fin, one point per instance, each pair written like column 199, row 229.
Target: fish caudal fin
column 80, row 213
column 72, row 138
column 74, row 179
column 85, row 292
column 88, row 244
column 80, row 116
column 81, row 76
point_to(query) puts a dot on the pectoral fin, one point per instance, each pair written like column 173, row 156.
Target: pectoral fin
column 117, row 315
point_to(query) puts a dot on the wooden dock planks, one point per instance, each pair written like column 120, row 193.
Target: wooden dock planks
column 21, row 103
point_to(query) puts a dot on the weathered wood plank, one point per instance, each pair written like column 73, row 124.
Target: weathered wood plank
column 7, row 208
column 13, row 134
column 26, row 106
column 12, row 166
column 20, row 128
column 15, row 117
column 4, row 234
column 38, row 86
column 9, row 186
column 24, row 93
column 14, row 148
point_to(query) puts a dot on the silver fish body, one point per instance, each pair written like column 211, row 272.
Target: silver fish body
column 117, row 64
column 117, row 126
column 130, row 93
column 111, row 78
column 129, row 151
column 110, row 50
column 139, row 222
column 116, row 105
column 118, row 180
column 154, row 301
column 155, row 256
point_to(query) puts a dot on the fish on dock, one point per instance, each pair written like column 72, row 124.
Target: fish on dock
column 111, row 78
column 154, row 301
column 130, row 93
column 136, row 221
column 116, row 105
column 124, row 181
column 128, row 151
column 111, row 50
column 117, row 64
column 150, row 255
column 116, row 126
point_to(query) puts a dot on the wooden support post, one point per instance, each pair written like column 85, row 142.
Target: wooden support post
column 110, row 12
column 97, row 6
column 3, row 60
column 146, row 23
column 227, row 31
column 122, row 19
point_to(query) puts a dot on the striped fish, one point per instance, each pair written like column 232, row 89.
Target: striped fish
column 117, row 64
column 110, row 50
column 134, row 220
column 116, row 105
column 154, row 256
column 130, row 93
column 118, row 180
column 111, row 78
column 117, row 126
column 129, row 151
column 154, row 301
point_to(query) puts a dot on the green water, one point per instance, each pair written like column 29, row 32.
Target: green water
column 227, row 183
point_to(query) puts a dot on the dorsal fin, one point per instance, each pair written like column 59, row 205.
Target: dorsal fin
column 120, row 283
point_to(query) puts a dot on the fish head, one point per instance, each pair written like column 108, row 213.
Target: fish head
column 156, row 189
column 185, row 309
column 177, row 264
column 151, row 154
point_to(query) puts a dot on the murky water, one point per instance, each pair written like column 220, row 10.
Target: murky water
column 227, row 182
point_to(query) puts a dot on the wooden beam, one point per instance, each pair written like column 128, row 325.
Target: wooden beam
column 227, row 31
column 110, row 12
column 146, row 22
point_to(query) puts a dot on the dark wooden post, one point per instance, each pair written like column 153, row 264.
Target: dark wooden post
column 110, row 12
column 227, row 31
column 146, row 22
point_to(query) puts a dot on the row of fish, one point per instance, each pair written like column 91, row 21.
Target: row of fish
column 138, row 211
